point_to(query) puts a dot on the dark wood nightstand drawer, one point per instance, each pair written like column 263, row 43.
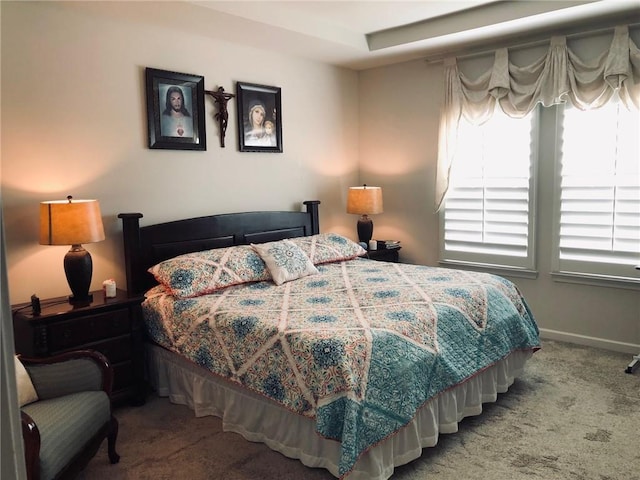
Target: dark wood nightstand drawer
column 79, row 331
column 116, row 349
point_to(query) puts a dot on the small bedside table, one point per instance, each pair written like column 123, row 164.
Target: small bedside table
column 384, row 255
column 112, row 326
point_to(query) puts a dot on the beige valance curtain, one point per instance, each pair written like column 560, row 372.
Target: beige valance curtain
column 557, row 77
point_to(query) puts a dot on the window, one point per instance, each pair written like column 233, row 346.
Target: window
column 591, row 227
column 597, row 231
column 488, row 217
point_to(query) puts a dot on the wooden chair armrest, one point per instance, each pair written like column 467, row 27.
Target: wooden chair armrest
column 31, row 438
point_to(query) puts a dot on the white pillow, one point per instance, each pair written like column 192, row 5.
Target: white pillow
column 285, row 260
column 26, row 392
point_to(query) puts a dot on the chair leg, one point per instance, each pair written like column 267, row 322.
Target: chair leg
column 111, row 441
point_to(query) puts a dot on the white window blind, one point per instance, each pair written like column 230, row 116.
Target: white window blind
column 488, row 214
column 598, row 196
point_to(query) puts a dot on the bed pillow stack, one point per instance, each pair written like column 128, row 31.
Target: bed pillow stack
column 200, row 273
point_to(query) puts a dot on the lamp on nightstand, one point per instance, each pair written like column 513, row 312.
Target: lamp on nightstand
column 73, row 222
column 364, row 201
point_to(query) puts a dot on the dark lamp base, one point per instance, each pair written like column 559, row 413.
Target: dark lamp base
column 78, row 268
column 365, row 229
column 81, row 302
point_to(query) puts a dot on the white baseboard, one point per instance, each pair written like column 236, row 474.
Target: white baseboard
column 590, row 341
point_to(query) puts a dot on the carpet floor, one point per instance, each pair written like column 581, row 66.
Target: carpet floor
column 573, row 414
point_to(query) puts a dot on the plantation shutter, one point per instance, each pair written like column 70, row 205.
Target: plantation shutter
column 489, row 210
column 599, row 226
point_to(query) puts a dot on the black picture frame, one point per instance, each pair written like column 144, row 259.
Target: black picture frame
column 267, row 137
column 165, row 130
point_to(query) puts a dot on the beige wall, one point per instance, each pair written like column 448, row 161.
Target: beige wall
column 399, row 108
column 74, row 122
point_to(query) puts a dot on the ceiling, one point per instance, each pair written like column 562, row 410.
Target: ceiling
column 366, row 34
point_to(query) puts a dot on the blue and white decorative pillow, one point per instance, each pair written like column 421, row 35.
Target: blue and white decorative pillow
column 328, row 247
column 285, row 260
column 199, row 273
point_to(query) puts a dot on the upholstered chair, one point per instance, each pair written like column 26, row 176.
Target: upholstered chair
column 65, row 426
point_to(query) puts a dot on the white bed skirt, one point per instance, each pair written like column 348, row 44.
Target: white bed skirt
column 260, row 420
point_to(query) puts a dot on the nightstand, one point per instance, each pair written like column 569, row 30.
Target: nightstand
column 112, row 326
column 384, row 255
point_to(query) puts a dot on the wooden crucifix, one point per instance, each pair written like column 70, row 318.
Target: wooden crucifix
column 221, row 98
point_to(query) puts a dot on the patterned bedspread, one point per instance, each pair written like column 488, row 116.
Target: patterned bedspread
column 359, row 347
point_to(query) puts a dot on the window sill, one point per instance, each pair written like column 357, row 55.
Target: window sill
column 490, row 268
column 597, row 280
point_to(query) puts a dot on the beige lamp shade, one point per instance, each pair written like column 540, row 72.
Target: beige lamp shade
column 70, row 222
column 364, row 200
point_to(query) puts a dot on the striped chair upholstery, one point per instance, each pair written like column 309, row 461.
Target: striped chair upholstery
column 62, row 378
column 65, row 427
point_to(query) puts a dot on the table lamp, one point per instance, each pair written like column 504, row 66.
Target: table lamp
column 73, row 222
column 364, row 201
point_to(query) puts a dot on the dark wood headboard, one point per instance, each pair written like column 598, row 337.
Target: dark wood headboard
column 148, row 245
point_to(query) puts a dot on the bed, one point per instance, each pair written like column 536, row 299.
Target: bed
column 342, row 362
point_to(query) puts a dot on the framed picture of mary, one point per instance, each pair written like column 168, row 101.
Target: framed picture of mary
column 175, row 110
column 259, row 117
